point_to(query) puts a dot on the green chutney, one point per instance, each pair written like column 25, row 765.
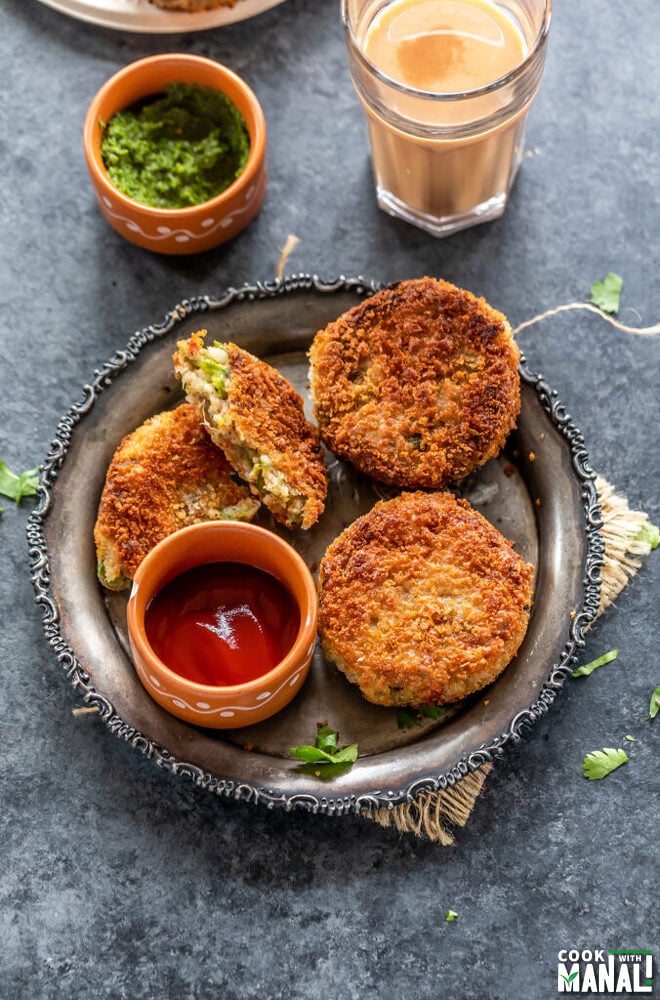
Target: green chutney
column 176, row 150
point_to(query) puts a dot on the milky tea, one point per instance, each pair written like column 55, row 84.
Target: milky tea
column 446, row 86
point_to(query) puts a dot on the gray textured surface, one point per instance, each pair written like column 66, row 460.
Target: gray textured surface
column 119, row 881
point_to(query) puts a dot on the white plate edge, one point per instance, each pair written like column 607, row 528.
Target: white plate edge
column 142, row 16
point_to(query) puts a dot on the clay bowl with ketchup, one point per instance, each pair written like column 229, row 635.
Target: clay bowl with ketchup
column 222, row 623
column 192, row 228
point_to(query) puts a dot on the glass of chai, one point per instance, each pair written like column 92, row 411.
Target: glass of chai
column 446, row 86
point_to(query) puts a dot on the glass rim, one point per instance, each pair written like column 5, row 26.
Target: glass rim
column 442, row 96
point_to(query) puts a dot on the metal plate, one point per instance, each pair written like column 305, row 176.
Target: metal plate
column 546, row 503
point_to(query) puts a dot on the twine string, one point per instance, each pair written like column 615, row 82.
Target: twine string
column 290, row 245
column 643, row 331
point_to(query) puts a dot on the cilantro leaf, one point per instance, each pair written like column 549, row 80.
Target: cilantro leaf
column 314, row 755
column 325, row 753
column 326, row 739
column 311, row 755
column 450, row 916
column 600, row 763
column 406, row 718
column 16, row 487
column 607, row 293
column 649, row 533
column 588, row 668
column 654, row 706
column 348, row 755
column 432, row 711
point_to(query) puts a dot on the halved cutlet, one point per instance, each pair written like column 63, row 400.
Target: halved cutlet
column 256, row 417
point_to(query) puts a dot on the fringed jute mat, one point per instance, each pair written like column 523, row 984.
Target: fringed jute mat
column 433, row 815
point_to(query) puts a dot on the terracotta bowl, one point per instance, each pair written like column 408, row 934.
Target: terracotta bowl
column 177, row 230
column 241, row 704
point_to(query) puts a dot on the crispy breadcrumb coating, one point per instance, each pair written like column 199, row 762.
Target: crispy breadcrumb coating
column 422, row 601
column 165, row 475
column 255, row 415
column 418, row 385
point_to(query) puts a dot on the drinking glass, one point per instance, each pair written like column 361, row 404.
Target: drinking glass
column 446, row 161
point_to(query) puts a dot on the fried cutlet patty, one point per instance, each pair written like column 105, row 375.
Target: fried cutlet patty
column 165, row 475
column 422, row 601
column 256, row 417
column 418, row 385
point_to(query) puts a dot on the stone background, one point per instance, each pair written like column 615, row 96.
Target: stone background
column 119, row 881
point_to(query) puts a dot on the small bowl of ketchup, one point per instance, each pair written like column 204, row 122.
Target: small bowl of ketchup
column 222, row 623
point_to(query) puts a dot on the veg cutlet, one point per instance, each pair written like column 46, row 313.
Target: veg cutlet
column 418, row 385
column 422, row 601
column 165, row 475
column 256, row 417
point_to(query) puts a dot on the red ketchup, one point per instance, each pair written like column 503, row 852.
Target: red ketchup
column 222, row 624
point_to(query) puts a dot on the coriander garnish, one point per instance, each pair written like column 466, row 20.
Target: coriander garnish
column 450, row 916
column 654, row 706
column 406, row 718
column 607, row 293
column 649, row 533
column 325, row 759
column 600, row 763
column 588, row 668
column 16, row 487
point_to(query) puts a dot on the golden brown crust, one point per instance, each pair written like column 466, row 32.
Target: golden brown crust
column 165, row 475
column 270, row 414
column 422, row 601
column 261, row 412
column 418, row 385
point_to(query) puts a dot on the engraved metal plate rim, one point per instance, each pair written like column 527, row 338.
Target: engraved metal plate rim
column 323, row 802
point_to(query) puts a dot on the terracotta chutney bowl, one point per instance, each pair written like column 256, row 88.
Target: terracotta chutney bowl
column 201, row 545
column 196, row 227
